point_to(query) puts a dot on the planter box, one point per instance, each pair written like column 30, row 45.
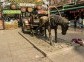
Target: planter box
column 1, row 24
column 11, row 25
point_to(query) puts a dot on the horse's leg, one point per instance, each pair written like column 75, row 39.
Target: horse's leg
column 45, row 30
column 50, row 37
column 55, row 29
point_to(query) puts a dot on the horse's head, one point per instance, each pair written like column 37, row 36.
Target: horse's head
column 64, row 28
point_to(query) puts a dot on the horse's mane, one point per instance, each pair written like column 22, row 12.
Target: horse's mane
column 59, row 19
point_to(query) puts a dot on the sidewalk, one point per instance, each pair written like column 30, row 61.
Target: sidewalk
column 14, row 48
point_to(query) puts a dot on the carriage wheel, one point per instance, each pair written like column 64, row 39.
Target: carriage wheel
column 31, row 29
column 32, row 33
column 23, row 29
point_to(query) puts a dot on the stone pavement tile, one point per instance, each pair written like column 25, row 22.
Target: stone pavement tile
column 3, row 45
column 46, row 59
column 26, row 55
column 64, row 45
column 19, row 45
column 27, row 52
column 4, row 52
column 8, row 59
column 16, row 59
column 25, row 46
column 14, row 47
column 20, row 59
column 71, row 55
column 3, row 41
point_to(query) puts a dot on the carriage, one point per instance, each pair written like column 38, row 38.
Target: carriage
column 31, row 23
column 40, row 20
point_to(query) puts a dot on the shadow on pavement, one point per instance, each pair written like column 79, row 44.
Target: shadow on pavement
column 80, row 50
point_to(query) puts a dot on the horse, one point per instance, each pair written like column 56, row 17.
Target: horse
column 55, row 20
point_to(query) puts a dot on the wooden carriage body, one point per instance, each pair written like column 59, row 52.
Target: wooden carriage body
column 33, row 19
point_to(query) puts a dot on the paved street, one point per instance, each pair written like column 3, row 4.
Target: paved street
column 74, row 54
column 71, row 33
column 70, row 55
column 14, row 48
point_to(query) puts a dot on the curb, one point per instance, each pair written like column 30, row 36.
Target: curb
column 43, row 52
column 45, row 55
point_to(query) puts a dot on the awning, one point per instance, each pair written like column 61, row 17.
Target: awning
column 11, row 12
column 73, row 8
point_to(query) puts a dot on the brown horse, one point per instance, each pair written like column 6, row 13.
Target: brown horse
column 55, row 20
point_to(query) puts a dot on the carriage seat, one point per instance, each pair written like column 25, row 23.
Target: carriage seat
column 44, row 19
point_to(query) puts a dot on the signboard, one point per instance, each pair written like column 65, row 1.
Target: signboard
column 1, row 24
column 11, row 12
column 26, row 4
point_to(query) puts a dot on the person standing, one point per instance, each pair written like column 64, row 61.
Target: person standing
column 80, row 22
column 75, row 24
column 83, row 23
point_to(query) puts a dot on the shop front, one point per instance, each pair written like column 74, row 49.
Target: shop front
column 1, row 22
column 11, row 18
column 71, row 11
column 75, row 13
